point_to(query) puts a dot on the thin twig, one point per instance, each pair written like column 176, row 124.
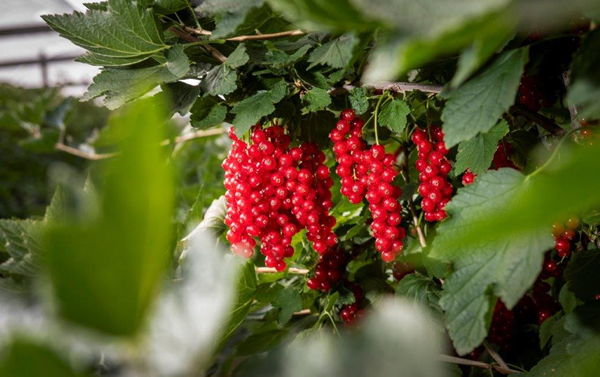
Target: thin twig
column 496, row 356
column 291, row 270
column 413, row 210
column 396, row 87
column 475, row 363
column 190, row 38
column 572, row 108
column 546, row 123
column 178, row 140
column 242, row 38
column 83, row 154
column 302, row 312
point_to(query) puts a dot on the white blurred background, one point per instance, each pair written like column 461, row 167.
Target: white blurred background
column 25, row 42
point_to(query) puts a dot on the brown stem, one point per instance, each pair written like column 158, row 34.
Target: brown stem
column 291, row 270
column 546, row 123
column 497, row 358
column 475, row 363
column 396, row 87
column 572, row 108
column 83, row 154
column 178, row 140
column 190, row 38
column 242, row 38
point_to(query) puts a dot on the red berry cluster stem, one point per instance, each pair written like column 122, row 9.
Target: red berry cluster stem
column 565, row 235
column 352, row 312
column 433, row 168
column 330, row 270
column 503, row 321
column 273, row 192
column 369, row 173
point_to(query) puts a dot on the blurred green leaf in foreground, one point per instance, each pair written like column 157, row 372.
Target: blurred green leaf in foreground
column 105, row 264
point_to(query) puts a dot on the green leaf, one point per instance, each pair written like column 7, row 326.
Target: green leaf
column 105, row 264
column 576, row 354
column 238, row 57
column 556, row 191
column 485, row 270
column 229, row 14
column 477, row 105
column 478, row 152
column 546, row 329
column 323, row 14
column 425, row 292
column 245, row 293
column 181, row 96
column 393, row 115
column 316, row 99
column 124, row 34
column 214, row 220
column 479, row 34
column 207, row 112
column 567, row 300
column 280, row 59
column 24, row 358
column 169, row 6
column 21, row 242
column 582, row 275
column 289, row 301
column 251, row 109
column 359, row 101
column 120, row 86
column 44, row 142
column 220, row 80
column 584, row 90
column 336, row 53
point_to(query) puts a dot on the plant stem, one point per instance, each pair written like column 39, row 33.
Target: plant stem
column 376, row 124
column 554, row 153
column 291, row 270
column 242, row 38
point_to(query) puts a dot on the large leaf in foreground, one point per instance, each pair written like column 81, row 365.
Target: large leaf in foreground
column 504, row 267
column 124, row 34
column 477, row 105
column 105, row 265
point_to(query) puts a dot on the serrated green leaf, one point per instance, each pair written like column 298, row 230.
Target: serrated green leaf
column 567, row 300
column 359, row 101
column 485, row 270
column 120, row 86
column 477, row 105
column 21, row 238
column 238, row 57
column 250, row 110
column 425, row 292
column 289, row 301
column 128, row 234
column 393, row 115
column 245, row 294
column 279, row 58
column 134, row 33
column 584, row 90
column 181, row 96
column 477, row 153
column 336, row 53
column 220, row 80
column 577, row 353
column 582, row 274
column 546, row 329
column 207, row 112
column 316, row 99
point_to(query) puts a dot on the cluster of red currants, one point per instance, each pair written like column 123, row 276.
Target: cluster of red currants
column 503, row 322
column 369, row 173
column 350, row 313
column 565, row 234
column 329, row 270
column 273, row 191
column 534, row 94
column 433, row 168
